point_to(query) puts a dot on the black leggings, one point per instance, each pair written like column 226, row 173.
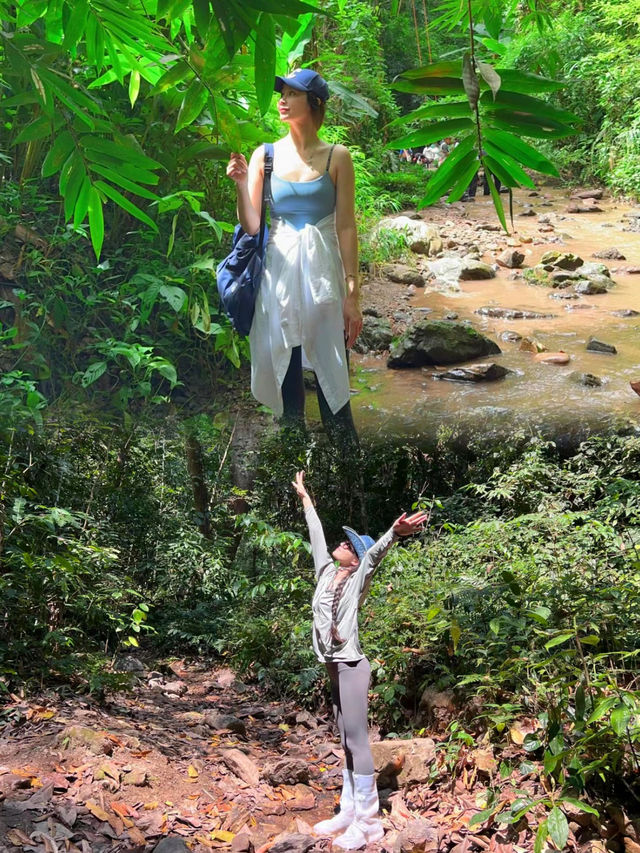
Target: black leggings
column 339, row 426
column 349, row 696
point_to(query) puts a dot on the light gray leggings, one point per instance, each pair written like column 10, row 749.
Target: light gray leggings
column 349, row 695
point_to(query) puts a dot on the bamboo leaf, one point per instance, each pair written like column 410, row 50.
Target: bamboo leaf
column 444, row 176
column 119, row 179
column 430, row 86
column 172, row 77
column 520, row 151
column 265, row 61
column 522, row 126
column 457, row 109
column 96, row 221
column 192, row 105
column 491, row 77
column 134, row 87
column 470, row 81
column 77, row 175
column 202, row 15
column 37, row 129
column 495, row 195
column 94, row 144
column 58, row 154
column 500, row 172
column 82, row 202
column 529, row 104
column 433, row 133
column 463, row 181
column 523, row 81
column 508, row 163
column 436, row 69
column 561, row 638
column 76, row 22
column 125, row 204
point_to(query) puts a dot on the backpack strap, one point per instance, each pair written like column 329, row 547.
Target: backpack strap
column 266, row 187
column 330, row 156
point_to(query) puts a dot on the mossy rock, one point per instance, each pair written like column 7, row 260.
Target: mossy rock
column 433, row 342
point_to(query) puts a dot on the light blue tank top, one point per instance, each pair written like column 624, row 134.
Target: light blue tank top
column 302, row 203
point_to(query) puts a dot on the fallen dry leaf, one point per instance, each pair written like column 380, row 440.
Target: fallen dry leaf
column 192, row 772
column 97, row 811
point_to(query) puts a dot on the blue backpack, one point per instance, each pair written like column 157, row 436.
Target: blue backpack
column 239, row 274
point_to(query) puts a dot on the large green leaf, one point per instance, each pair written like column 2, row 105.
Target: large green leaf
column 37, row 129
column 445, row 175
column 523, row 81
column 82, row 202
column 520, row 151
column 204, row 150
column 495, row 195
column 527, row 126
column 464, row 174
column 558, row 827
column 96, row 221
column 74, row 178
column 192, row 104
column 76, row 22
column 118, row 178
column 454, row 109
column 58, row 154
column 500, row 172
column 202, row 15
column 430, row 86
column 508, row 163
column 528, row 104
column 432, row 133
column 94, row 144
column 265, row 61
column 176, row 74
column 436, row 69
column 125, row 204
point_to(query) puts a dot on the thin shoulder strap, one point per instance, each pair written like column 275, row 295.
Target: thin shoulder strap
column 330, row 156
column 266, row 187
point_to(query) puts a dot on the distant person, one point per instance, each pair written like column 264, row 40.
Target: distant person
column 307, row 310
column 343, row 577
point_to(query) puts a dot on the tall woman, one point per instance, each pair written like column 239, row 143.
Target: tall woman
column 307, row 310
column 343, row 578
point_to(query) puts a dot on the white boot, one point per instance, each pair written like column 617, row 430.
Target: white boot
column 366, row 826
column 347, row 810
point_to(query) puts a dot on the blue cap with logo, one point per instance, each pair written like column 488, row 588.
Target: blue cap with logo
column 305, row 80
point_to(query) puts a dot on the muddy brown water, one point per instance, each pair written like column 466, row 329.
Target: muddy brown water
column 538, row 396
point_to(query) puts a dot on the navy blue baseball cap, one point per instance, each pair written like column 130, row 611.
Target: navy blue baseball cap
column 305, row 80
column 361, row 543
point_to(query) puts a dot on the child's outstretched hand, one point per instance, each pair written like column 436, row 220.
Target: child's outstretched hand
column 408, row 524
column 298, row 485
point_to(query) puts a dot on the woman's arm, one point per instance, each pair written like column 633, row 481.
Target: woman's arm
column 248, row 180
column 318, row 543
column 348, row 241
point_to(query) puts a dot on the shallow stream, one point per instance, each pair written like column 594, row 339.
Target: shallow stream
column 538, row 396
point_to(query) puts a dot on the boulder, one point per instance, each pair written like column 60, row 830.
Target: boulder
column 597, row 193
column 529, row 211
column 563, row 278
column 225, row 721
column 403, row 274
column 242, row 766
column 563, row 294
column 418, row 836
column 419, row 234
column 286, row 771
column 129, row 664
column 510, row 258
column 593, row 285
column 295, row 842
column 510, row 336
column 432, row 342
column 562, row 260
column 473, row 270
column 611, row 254
column 577, row 207
column 626, row 312
column 376, row 335
column 587, row 379
column 403, row 762
column 97, row 742
column 488, row 372
column 176, row 688
column 531, row 345
column 632, row 271
column 538, row 275
column 510, row 313
column 590, row 268
column 595, row 345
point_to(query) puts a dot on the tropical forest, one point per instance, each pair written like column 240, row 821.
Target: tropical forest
column 201, row 396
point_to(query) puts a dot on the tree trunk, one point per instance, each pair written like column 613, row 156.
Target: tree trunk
column 195, row 466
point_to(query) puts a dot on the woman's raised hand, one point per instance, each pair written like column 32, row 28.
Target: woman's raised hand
column 238, row 170
column 298, row 485
column 352, row 319
column 408, row 524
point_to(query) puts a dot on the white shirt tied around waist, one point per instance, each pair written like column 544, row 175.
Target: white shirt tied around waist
column 299, row 303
